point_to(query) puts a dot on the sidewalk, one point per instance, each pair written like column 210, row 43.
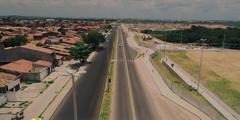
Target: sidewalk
column 213, row 99
column 43, row 104
column 42, row 101
column 156, row 82
column 49, row 111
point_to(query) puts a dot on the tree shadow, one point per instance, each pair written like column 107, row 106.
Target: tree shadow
column 100, row 49
column 77, row 65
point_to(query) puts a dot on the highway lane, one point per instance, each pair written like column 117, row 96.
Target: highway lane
column 145, row 110
column 124, row 107
column 131, row 101
column 89, row 89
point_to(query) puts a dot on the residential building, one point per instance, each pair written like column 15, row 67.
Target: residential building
column 9, row 85
column 27, row 52
column 27, row 69
column 42, row 63
column 3, row 99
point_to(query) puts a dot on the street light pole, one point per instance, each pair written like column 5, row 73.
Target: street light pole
column 181, row 37
column 71, row 74
column 200, row 69
column 165, row 40
column 223, row 42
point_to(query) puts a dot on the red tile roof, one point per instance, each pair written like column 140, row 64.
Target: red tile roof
column 43, row 63
column 71, row 40
column 21, row 66
column 4, row 82
column 40, row 49
column 7, row 76
column 59, row 57
column 60, row 49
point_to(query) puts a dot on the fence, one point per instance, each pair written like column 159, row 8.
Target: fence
column 11, row 116
column 204, row 107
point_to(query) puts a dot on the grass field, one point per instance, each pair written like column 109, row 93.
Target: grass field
column 220, row 73
column 172, row 77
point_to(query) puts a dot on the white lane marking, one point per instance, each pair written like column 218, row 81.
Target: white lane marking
column 128, row 78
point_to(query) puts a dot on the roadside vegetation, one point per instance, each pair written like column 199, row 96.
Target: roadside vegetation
column 80, row 52
column 93, row 39
column 29, row 82
column 90, row 43
column 175, row 80
column 220, row 85
column 138, row 39
column 229, row 37
column 107, row 99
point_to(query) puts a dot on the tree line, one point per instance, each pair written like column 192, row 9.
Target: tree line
column 228, row 38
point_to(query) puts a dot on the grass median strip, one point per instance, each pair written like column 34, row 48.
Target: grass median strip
column 105, row 110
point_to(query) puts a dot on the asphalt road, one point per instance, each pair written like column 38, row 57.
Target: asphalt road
column 130, row 102
column 89, row 89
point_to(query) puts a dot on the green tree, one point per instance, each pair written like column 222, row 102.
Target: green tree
column 84, row 37
column 62, row 30
column 15, row 41
column 94, row 39
column 80, row 52
column 21, row 39
column 108, row 27
column 215, row 37
column 39, row 44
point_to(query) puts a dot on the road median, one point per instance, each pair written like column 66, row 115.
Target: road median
column 107, row 98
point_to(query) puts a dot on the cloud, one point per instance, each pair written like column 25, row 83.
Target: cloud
column 149, row 9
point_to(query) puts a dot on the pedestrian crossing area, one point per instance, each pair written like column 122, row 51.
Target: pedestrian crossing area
column 123, row 60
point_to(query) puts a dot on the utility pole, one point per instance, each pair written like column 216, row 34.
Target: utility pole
column 165, row 37
column 223, row 42
column 74, row 95
column 200, row 69
column 181, row 38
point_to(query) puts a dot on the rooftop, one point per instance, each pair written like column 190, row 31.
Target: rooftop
column 71, row 40
column 7, row 76
column 43, row 63
column 59, row 57
column 40, row 49
column 4, row 82
column 6, row 79
column 21, row 66
column 59, row 48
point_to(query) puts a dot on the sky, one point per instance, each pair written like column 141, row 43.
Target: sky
column 141, row 9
